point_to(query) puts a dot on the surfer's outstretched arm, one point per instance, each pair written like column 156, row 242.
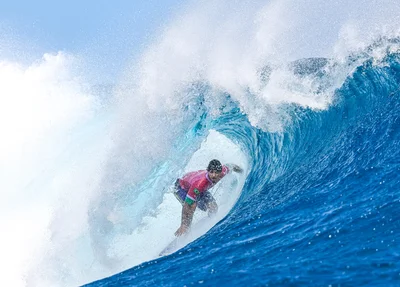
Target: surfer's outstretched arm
column 234, row 167
column 187, row 216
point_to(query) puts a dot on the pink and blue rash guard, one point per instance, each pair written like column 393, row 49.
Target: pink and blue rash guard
column 196, row 183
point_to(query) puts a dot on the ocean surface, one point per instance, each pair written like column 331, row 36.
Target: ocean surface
column 87, row 170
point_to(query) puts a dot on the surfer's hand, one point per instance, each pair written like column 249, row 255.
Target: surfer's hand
column 181, row 230
column 237, row 168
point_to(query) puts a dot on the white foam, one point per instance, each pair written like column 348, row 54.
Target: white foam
column 227, row 44
column 40, row 106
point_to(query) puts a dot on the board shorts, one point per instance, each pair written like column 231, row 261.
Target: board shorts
column 203, row 200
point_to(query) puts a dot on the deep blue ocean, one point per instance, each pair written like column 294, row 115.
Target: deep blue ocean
column 319, row 206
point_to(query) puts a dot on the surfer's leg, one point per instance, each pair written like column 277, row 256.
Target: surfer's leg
column 212, row 207
column 207, row 203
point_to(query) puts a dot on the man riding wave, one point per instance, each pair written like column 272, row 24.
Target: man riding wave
column 192, row 191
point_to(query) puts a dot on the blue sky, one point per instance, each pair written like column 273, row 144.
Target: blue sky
column 112, row 30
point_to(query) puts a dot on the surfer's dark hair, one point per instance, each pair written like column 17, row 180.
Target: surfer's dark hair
column 214, row 165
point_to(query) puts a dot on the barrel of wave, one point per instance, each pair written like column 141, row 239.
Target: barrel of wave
column 157, row 230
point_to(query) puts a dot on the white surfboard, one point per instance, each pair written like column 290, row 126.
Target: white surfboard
column 197, row 229
column 172, row 247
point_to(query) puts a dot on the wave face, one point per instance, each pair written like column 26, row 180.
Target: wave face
column 319, row 205
column 86, row 171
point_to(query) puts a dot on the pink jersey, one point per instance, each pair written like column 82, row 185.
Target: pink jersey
column 198, row 182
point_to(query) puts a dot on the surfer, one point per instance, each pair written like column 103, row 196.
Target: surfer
column 192, row 191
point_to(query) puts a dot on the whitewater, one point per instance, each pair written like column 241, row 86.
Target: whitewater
column 303, row 95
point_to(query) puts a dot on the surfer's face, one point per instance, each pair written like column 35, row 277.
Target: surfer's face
column 215, row 176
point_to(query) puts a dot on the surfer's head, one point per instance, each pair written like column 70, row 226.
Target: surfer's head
column 215, row 170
